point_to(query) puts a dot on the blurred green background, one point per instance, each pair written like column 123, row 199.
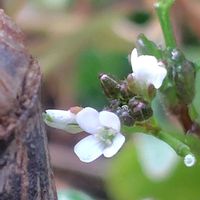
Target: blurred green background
column 74, row 41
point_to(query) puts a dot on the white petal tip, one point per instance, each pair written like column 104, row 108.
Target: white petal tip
column 189, row 160
column 88, row 149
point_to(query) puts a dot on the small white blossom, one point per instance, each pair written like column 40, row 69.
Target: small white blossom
column 157, row 159
column 62, row 119
column 105, row 137
column 147, row 70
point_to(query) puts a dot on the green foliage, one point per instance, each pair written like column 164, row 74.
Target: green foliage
column 162, row 116
column 170, row 125
column 147, row 47
column 90, row 64
column 127, row 181
column 140, row 17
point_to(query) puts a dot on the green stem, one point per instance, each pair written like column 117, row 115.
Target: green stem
column 178, row 146
column 163, row 11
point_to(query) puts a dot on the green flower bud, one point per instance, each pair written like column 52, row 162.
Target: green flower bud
column 181, row 74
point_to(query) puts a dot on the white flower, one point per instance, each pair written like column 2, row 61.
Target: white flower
column 157, row 159
column 105, row 137
column 62, row 119
column 147, row 70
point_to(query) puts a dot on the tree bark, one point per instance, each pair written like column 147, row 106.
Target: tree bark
column 25, row 172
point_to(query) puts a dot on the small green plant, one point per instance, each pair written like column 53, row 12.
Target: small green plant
column 159, row 98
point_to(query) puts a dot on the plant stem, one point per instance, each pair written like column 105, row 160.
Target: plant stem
column 163, row 11
column 178, row 146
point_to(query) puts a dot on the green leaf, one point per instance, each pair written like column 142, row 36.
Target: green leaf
column 163, row 118
column 171, row 125
column 127, row 180
column 147, row 47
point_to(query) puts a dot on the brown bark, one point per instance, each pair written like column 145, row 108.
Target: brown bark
column 25, row 172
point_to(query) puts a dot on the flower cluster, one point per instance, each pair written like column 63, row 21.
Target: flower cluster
column 104, row 129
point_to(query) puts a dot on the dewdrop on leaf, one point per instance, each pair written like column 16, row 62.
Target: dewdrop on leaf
column 189, row 160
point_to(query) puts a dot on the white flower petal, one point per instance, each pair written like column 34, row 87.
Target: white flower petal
column 110, row 120
column 89, row 149
column 134, row 56
column 159, row 77
column 72, row 128
column 116, row 145
column 88, row 120
column 147, row 70
column 61, row 119
column 147, row 61
column 144, row 67
column 61, row 116
column 157, row 159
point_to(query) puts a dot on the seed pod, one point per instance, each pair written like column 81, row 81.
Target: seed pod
column 140, row 110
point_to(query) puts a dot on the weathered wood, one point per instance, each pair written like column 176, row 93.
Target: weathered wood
column 25, row 172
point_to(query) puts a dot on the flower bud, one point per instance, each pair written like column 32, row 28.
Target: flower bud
column 181, row 73
column 114, row 89
column 110, row 86
column 140, row 110
column 124, row 114
column 62, row 119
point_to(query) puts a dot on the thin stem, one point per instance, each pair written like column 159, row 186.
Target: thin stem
column 163, row 11
column 178, row 146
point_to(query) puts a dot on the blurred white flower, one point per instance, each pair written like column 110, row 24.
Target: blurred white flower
column 158, row 160
column 62, row 119
column 147, row 70
column 105, row 137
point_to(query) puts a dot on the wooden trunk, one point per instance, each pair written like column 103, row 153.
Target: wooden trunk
column 25, row 172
